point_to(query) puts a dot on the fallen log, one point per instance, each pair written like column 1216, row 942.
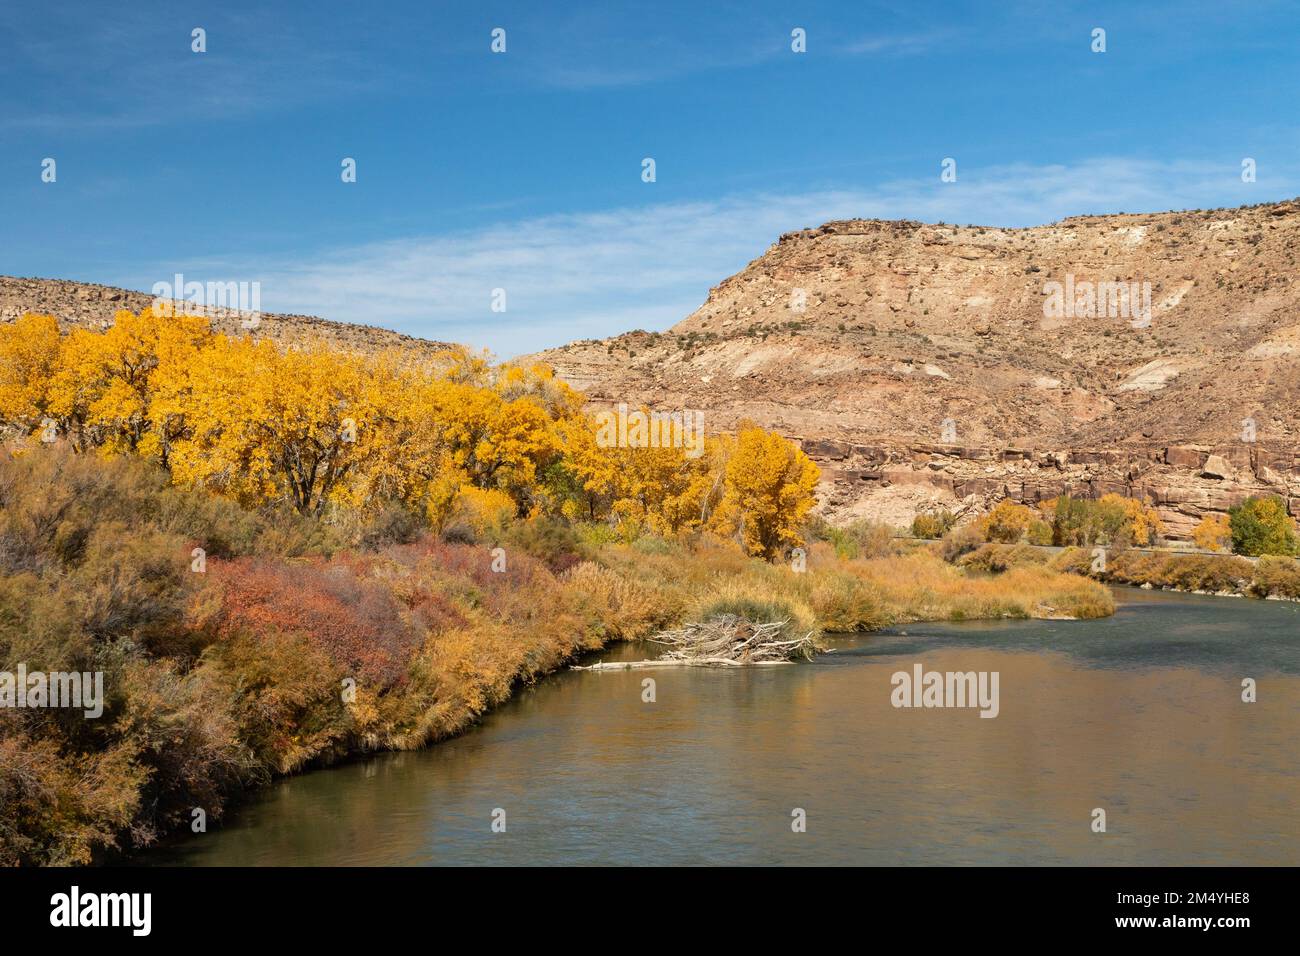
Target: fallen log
column 726, row 641
column 664, row 662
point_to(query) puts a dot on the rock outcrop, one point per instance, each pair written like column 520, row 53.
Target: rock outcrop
column 920, row 363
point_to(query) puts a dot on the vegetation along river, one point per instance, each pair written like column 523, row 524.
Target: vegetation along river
column 1140, row 714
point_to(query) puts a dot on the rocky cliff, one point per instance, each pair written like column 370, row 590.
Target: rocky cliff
column 1155, row 355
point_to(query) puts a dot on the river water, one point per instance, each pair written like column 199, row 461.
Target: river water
column 1139, row 715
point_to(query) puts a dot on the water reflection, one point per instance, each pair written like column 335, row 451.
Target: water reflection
column 1140, row 714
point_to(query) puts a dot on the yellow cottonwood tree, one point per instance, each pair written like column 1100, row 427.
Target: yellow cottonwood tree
column 265, row 424
column 30, row 350
column 1008, row 522
column 104, row 383
column 768, row 491
column 1213, row 533
column 405, row 447
column 662, row 488
column 453, row 437
column 593, row 470
column 1140, row 520
column 499, row 443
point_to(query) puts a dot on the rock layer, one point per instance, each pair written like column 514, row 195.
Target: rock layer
column 935, row 362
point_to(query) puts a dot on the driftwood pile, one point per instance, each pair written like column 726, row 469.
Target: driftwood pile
column 725, row 641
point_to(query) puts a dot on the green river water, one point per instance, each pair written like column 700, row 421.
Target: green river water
column 1139, row 714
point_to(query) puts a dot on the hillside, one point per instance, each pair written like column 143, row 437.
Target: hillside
column 908, row 325
column 91, row 306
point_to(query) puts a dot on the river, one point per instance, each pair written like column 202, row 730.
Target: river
column 1139, row 715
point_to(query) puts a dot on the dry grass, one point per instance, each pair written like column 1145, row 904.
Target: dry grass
column 841, row 595
column 1271, row 576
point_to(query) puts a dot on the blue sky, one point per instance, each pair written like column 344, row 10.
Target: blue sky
column 522, row 170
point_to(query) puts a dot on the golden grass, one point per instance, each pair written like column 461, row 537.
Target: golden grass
column 835, row 594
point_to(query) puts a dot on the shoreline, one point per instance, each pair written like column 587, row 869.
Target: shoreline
column 621, row 648
column 1264, row 577
column 580, row 661
column 837, row 596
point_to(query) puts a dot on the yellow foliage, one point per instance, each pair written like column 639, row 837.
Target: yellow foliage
column 1213, row 533
column 483, row 509
column 1140, row 519
column 318, row 427
column 105, row 383
column 1007, row 522
column 621, row 607
column 768, row 491
column 262, row 423
column 29, row 357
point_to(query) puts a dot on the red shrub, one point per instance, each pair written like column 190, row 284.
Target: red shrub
column 355, row 620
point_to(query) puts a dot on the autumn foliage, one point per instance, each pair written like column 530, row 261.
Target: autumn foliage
column 294, row 648
column 455, row 439
column 343, row 511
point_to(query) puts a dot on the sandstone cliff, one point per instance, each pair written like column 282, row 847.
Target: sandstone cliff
column 925, row 364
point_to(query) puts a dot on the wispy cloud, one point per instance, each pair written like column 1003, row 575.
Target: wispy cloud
column 87, row 69
column 894, row 45
column 599, row 273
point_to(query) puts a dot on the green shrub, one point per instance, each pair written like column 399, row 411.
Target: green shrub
column 862, row 538
column 1040, row 533
column 1111, row 520
column 1262, row 526
column 652, row 544
column 549, row 539
column 595, row 534
column 740, row 600
column 394, row 525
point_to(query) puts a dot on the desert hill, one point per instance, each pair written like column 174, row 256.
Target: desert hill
column 87, row 305
column 924, row 364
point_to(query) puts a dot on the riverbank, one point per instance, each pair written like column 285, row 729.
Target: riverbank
column 1139, row 713
column 269, row 648
column 1270, row 577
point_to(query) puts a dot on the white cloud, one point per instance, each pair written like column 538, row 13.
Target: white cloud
column 899, row 44
column 587, row 275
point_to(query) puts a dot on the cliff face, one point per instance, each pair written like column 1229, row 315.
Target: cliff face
column 86, row 305
column 1152, row 355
